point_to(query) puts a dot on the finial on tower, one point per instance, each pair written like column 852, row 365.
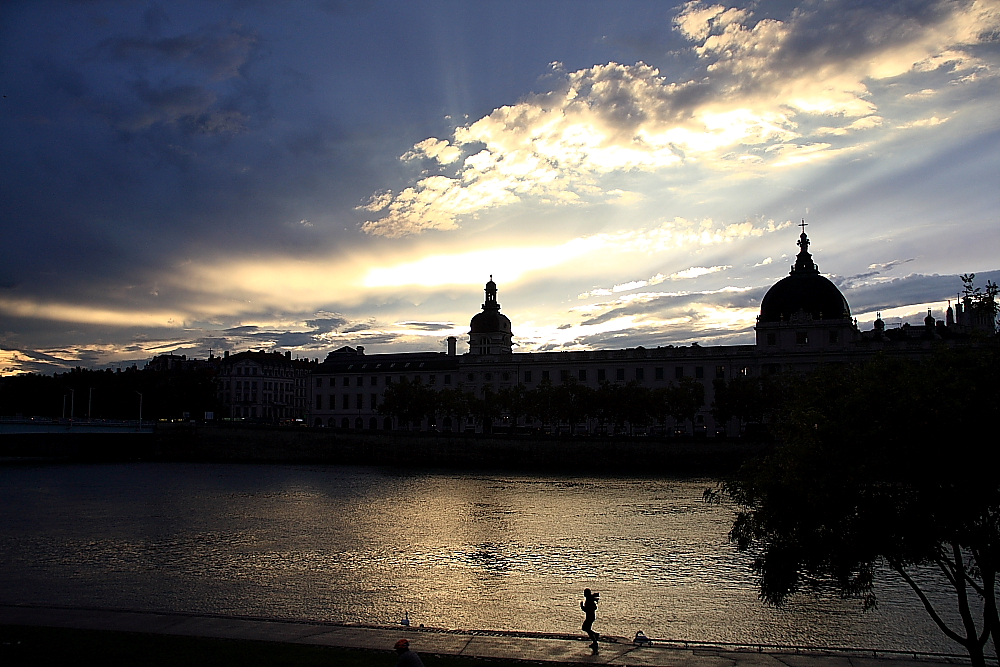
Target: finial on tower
column 491, row 295
column 803, row 261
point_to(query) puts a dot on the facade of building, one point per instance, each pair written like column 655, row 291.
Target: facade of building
column 263, row 385
column 804, row 321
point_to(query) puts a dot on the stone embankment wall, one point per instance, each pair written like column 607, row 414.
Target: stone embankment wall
column 182, row 442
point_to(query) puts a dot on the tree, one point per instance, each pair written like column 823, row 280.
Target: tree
column 751, row 400
column 572, row 402
column 454, row 404
column 514, row 401
column 685, row 399
column 486, row 410
column 409, row 402
column 541, row 402
column 981, row 303
column 880, row 465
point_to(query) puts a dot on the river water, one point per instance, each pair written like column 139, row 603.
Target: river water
column 454, row 550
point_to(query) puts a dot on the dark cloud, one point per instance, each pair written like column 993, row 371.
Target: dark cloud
column 220, row 50
column 154, row 19
column 875, row 270
column 375, row 338
column 294, row 340
column 909, row 290
column 675, row 336
column 677, row 305
column 428, row 326
column 346, row 7
column 61, row 77
column 243, row 330
column 171, row 104
column 326, row 324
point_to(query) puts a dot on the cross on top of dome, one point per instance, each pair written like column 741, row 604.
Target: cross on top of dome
column 803, row 261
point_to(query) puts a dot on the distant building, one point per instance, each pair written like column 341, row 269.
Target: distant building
column 263, row 385
column 804, row 321
column 347, row 387
column 177, row 362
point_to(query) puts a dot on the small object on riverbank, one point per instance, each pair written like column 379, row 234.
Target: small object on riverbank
column 406, row 619
column 641, row 639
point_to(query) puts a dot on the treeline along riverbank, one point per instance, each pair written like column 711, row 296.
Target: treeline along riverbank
column 224, row 443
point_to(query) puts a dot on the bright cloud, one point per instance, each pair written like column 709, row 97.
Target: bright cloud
column 65, row 312
column 696, row 271
column 757, row 82
column 693, row 272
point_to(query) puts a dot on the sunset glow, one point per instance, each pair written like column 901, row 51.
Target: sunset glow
column 191, row 177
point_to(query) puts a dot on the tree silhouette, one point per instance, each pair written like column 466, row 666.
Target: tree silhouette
column 880, row 465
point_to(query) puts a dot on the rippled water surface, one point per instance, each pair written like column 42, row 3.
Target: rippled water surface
column 456, row 550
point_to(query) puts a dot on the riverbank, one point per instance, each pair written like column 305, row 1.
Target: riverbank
column 253, row 444
column 150, row 638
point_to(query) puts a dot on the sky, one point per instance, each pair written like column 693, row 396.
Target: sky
column 193, row 177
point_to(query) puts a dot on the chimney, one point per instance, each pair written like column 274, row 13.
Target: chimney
column 361, row 350
column 452, row 346
column 225, row 354
column 288, row 354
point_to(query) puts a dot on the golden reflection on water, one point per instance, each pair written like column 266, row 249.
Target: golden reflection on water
column 472, row 551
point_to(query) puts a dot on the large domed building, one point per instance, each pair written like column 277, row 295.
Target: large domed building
column 804, row 321
column 804, row 310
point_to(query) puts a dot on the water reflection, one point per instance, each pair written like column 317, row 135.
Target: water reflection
column 365, row 545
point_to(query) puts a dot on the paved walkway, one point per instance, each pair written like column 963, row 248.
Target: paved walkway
column 537, row 647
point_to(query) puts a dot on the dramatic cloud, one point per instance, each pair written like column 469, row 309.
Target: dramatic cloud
column 764, row 92
column 693, row 272
column 224, row 176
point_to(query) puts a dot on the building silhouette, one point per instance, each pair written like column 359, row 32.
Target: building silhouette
column 263, row 385
column 804, row 321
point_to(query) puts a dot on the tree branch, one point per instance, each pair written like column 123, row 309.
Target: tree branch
column 946, row 568
column 930, row 608
column 963, row 600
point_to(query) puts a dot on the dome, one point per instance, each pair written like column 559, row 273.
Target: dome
column 489, row 321
column 804, row 289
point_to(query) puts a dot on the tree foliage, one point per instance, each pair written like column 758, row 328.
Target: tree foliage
column 890, row 463
column 111, row 395
column 981, row 301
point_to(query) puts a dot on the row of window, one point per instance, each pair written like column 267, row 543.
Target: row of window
column 639, row 374
column 582, row 375
column 802, row 337
column 252, row 385
column 345, row 402
column 269, row 372
column 359, row 380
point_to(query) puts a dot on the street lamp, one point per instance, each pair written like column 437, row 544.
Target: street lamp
column 140, row 409
column 72, row 402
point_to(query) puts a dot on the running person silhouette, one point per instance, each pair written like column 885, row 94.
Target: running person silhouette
column 589, row 607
